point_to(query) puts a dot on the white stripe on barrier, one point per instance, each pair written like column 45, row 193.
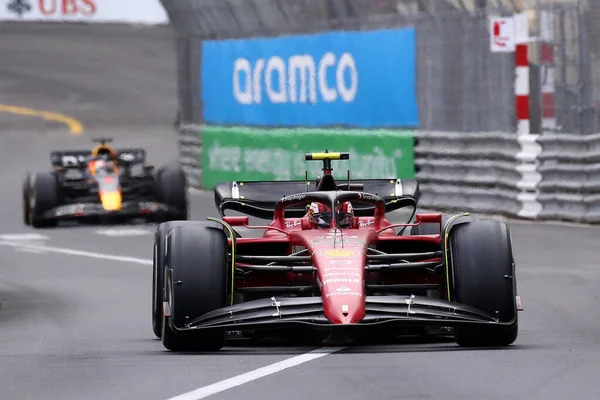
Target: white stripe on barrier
column 530, row 177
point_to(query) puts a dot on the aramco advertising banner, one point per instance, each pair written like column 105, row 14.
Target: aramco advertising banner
column 353, row 79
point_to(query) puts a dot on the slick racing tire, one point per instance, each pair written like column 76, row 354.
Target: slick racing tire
column 158, row 273
column 198, row 258
column 172, row 187
column 43, row 197
column 26, row 194
column 483, row 277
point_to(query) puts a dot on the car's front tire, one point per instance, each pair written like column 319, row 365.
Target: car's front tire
column 197, row 255
column 172, row 187
column 25, row 198
column 44, row 197
column 483, row 277
column 158, row 271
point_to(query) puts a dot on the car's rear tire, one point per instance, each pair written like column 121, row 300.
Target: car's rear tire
column 198, row 258
column 158, row 272
column 26, row 193
column 44, row 197
column 483, row 277
column 172, row 187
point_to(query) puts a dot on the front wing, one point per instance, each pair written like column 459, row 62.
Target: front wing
column 128, row 209
column 307, row 312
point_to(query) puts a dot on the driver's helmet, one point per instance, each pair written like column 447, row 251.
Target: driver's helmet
column 346, row 215
column 319, row 215
column 104, row 152
column 103, row 166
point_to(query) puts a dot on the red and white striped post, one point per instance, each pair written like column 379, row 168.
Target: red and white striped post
column 528, row 156
column 522, row 87
column 547, row 71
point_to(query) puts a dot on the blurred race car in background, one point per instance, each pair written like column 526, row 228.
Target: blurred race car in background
column 335, row 270
column 104, row 184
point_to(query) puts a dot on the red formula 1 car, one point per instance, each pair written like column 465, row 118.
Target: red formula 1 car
column 337, row 268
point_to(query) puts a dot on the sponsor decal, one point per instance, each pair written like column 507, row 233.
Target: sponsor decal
column 340, row 262
column 362, row 224
column 368, row 196
column 127, row 157
column 332, row 294
column 148, row 206
column 341, row 274
column 297, row 249
column 335, row 240
column 293, row 197
column 73, row 160
column 68, row 210
column 340, row 280
column 289, row 224
column 342, row 269
column 339, row 253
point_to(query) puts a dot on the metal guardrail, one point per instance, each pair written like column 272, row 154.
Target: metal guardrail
column 190, row 154
column 478, row 172
column 570, row 170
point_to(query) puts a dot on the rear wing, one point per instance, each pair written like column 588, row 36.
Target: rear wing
column 79, row 158
column 258, row 198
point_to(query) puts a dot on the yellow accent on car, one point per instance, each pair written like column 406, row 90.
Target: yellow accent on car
column 111, row 201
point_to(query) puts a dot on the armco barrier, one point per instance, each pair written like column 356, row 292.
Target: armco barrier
column 478, row 172
column 190, row 154
column 570, row 186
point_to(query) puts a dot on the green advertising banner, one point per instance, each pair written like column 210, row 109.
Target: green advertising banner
column 249, row 154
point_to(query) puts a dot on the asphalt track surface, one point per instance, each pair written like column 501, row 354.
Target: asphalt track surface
column 74, row 325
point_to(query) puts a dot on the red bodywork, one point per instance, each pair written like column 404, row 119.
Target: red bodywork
column 340, row 258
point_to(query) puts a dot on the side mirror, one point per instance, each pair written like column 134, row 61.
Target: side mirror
column 237, row 221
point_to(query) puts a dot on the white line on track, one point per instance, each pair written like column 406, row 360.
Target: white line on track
column 238, row 380
column 72, row 252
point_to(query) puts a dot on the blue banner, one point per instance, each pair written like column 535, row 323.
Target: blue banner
column 360, row 79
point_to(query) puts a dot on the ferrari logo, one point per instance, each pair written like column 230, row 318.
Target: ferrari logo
column 339, row 253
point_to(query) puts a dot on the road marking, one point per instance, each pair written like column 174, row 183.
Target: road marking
column 121, row 232
column 256, row 374
column 25, row 237
column 75, row 127
column 72, row 252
